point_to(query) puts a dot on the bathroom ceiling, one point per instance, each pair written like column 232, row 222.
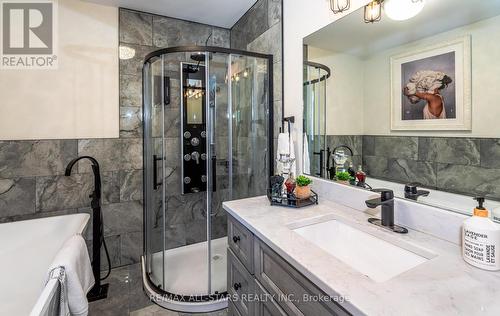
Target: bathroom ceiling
column 436, row 17
column 223, row 13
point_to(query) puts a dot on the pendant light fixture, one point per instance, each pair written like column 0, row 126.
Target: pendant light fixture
column 400, row 10
column 339, row 6
column 373, row 11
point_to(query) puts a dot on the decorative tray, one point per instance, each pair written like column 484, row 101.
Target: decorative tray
column 291, row 201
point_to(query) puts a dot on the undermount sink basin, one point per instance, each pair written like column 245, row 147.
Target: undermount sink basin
column 376, row 258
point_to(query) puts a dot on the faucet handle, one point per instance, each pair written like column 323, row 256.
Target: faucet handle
column 385, row 194
column 412, row 187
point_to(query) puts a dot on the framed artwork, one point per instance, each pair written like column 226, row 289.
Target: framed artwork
column 431, row 87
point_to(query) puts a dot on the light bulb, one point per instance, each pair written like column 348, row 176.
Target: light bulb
column 126, row 52
column 400, row 10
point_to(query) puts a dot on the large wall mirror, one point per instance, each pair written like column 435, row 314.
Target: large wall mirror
column 412, row 104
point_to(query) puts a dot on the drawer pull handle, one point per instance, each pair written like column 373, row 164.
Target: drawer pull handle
column 237, row 286
column 236, row 239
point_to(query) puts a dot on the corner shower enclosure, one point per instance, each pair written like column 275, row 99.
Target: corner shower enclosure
column 314, row 126
column 208, row 124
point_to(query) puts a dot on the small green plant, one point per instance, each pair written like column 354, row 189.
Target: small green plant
column 303, row 181
column 343, row 176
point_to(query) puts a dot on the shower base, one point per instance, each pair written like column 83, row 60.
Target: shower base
column 186, row 274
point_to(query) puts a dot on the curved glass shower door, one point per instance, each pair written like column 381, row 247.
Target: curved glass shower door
column 207, row 124
column 315, row 75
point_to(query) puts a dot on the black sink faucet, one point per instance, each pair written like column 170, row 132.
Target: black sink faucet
column 386, row 201
column 412, row 192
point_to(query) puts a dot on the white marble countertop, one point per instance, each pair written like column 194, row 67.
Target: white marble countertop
column 444, row 285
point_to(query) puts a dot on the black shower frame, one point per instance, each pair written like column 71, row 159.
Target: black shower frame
column 320, row 66
column 270, row 145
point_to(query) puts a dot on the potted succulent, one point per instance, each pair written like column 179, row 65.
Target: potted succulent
column 343, row 177
column 303, row 189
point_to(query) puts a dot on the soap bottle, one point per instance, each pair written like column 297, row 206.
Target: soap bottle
column 481, row 239
column 495, row 215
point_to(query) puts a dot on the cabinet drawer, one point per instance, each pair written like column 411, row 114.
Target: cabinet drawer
column 241, row 242
column 280, row 279
column 240, row 285
column 265, row 305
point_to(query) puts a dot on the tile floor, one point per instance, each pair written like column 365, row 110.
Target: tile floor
column 126, row 297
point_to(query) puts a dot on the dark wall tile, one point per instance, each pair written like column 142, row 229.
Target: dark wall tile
column 274, row 11
column 130, row 90
column 375, row 166
column 221, row 37
column 131, row 247
column 251, row 25
column 269, row 42
column 130, row 185
column 110, row 187
column 469, row 180
column 490, row 153
column 400, row 170
column 112, row 154
column 120, row 218
column 113, row 243
column 404, row 171
column 130, row 122
column 61, row 192
column 17, row 196
column 461, row 151
column 133, row 66
column 355, row 142
column 169, row 32
column 136, row 27
column 368, row 145
column 396, row 147
column 35, row 158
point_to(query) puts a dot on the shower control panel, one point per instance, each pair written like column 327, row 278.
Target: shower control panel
column 194, row 146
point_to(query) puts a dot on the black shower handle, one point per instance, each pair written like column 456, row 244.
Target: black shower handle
column 156, row 184
column 236, row 239
column 237, row 286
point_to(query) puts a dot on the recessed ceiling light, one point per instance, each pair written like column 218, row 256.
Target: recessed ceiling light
column 400, row 10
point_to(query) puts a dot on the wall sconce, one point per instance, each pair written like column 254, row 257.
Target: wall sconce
column 373, row 11
column 339, row 6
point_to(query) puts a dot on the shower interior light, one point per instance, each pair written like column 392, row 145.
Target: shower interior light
column 400, row 10
column 339, row 6
column 373, row 11
column 245, row 73
column 126, row 52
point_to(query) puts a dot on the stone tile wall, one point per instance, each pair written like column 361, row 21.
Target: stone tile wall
column 461, row 165
column 468, row 166
column 32, row 181
column 260, row 30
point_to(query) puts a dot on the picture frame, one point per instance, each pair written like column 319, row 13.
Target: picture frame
column 431, row 87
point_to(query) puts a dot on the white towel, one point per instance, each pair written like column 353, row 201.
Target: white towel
column 305, row 156
column 76, row 278
column 285, row 147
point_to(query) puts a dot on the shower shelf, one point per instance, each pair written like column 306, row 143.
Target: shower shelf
column 292, row 201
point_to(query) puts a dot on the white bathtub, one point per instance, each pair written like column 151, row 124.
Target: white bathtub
column 455, row 202
column 27, row 248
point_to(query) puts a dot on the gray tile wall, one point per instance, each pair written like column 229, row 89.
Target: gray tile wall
column 468, row 166
column 260, row 30
column 32, row 181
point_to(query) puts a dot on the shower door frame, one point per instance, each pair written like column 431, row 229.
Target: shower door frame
column 205, row 50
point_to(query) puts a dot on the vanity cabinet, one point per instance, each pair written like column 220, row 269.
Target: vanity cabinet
column 260, row 282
